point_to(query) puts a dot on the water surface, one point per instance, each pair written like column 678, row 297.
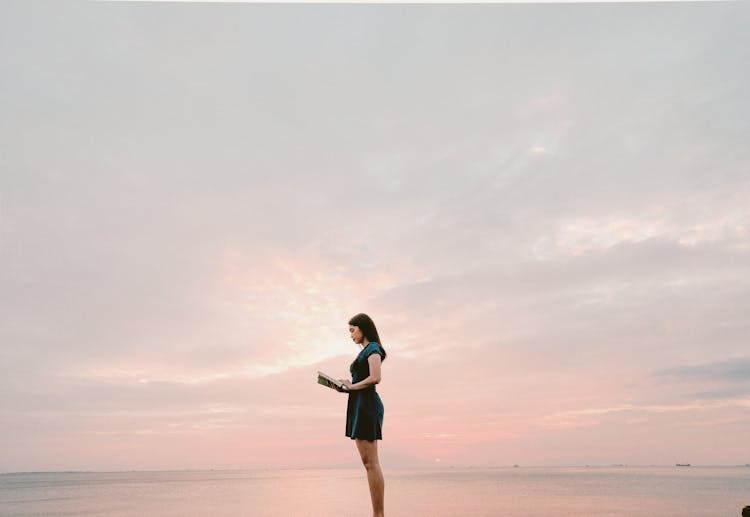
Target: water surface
column 450, row 492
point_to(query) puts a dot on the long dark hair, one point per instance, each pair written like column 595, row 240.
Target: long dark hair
column 367, row 326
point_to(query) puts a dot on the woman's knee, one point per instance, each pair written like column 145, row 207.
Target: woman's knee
column 369, row 462
column 368, row 454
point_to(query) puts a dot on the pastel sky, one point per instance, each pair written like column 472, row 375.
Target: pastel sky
column 544, row 208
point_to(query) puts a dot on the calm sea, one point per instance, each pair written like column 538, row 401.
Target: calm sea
column 524, row 491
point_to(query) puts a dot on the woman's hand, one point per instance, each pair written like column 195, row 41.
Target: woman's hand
column 347, row 383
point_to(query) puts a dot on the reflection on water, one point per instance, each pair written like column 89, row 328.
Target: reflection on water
column 653, row 491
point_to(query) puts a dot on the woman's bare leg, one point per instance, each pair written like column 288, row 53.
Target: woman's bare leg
column 368, row 451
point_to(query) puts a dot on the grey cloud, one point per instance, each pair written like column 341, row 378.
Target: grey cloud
column 708, row 381
column 721, row 394
column 737, row 369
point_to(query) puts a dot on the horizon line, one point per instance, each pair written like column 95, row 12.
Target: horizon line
column 504, row 466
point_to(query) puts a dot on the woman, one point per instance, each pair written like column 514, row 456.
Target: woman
column 364, row 412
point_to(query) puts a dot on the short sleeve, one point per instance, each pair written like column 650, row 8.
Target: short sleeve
column 373, row 348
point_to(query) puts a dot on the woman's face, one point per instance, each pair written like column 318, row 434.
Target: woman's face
column 357, row 335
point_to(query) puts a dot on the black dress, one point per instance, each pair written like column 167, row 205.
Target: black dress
column 364, row 411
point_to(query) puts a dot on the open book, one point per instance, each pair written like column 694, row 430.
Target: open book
column 327, row 380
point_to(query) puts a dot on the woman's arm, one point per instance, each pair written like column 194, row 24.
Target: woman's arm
column 373, row 378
